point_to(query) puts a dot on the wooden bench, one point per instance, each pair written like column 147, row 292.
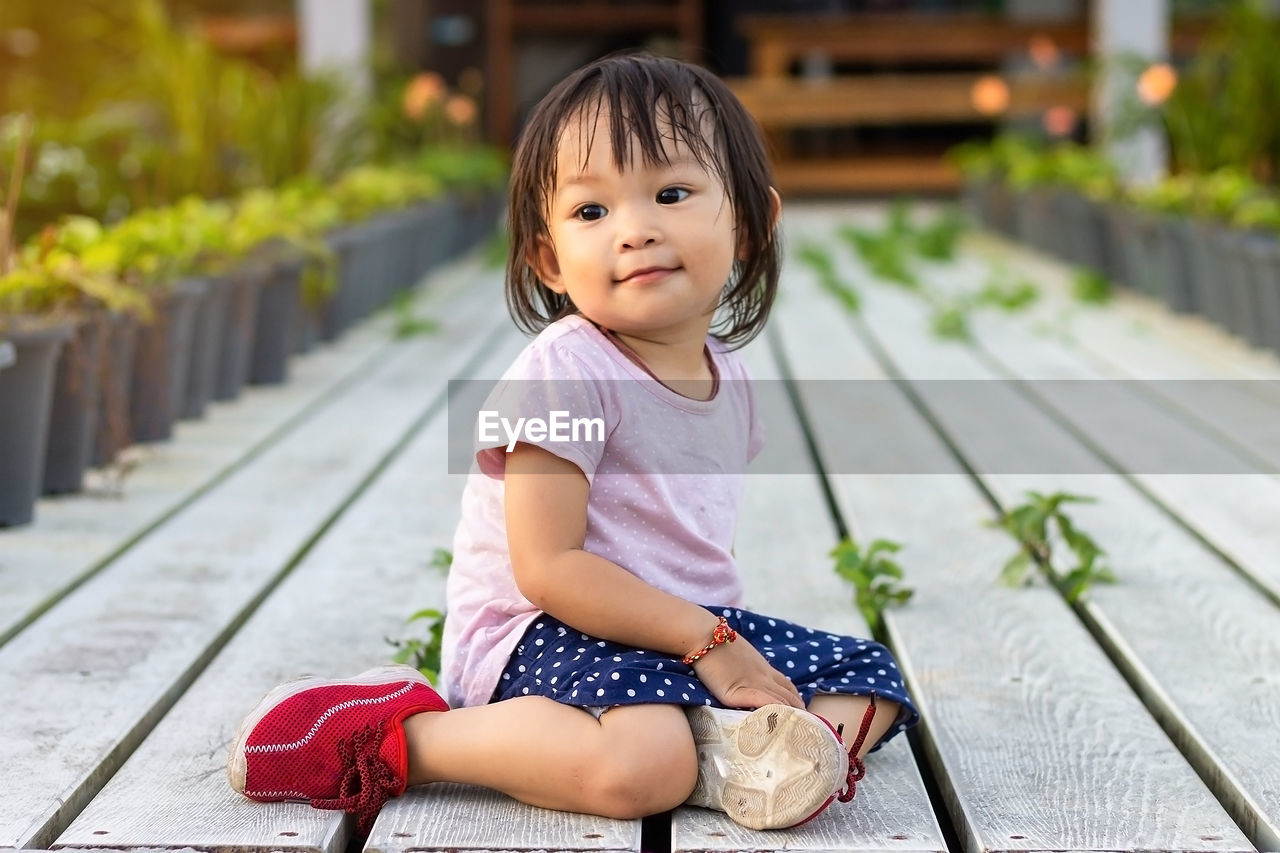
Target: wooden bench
column 307, row 541
column 897, row 70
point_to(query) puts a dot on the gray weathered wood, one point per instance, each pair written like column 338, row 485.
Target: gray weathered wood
column 1231, row 389
column 1227, row 639
column 462, row 817
column 73, row 536
column 785, row 534
column 331, row 616
column 87, row 682
column 1036, row 742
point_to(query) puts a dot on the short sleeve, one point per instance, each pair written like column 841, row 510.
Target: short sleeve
column 548, row 398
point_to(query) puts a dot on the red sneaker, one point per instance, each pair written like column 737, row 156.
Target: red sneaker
column 337, row 744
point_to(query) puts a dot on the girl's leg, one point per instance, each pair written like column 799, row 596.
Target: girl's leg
column 633, row 761
column 838, row 708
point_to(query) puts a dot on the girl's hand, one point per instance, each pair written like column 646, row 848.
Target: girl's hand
column 740, row 677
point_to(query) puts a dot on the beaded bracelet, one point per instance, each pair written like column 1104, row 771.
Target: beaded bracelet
column 720, row 635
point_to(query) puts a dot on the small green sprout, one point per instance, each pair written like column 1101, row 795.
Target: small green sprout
column 422, row 653
column 1089, row 285
column 950, row 321
column 939, row 239
column 1029, row 523
column 885, row 254
column 442, row 559
column 408, row 324
column 1002, row 291
column 819, row 260
column 874, row 576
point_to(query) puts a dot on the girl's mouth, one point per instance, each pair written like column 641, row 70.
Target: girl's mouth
column 648, row 275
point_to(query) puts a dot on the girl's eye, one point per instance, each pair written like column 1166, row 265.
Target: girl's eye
column 590, row 212
column 671, row 195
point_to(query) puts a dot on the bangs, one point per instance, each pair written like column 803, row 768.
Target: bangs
column 651, row 110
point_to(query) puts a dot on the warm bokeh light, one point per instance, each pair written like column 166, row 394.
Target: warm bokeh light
column 1059, row 121
column 990, row 95
column 1157, row 83
column 1043, row 51
column 460, row 109
column 422, row 91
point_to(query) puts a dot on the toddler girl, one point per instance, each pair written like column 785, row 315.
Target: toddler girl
column 597, row 657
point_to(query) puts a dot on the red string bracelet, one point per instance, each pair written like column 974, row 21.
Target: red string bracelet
column 720, row 635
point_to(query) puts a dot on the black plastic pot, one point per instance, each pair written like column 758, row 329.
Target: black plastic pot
column 279, row 304
column 355, row 250
column 239, row 328
column 208, row 332
column 162, row 362
column 115, row 389
column 26, row 397
column 1264, row 259
column 1174, row 268
column 1232, row 265
column 74, row 412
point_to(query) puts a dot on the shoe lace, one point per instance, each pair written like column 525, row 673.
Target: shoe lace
column 367, row 781
column 856, row 768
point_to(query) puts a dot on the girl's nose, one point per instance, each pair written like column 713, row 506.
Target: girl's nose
column 637, row 231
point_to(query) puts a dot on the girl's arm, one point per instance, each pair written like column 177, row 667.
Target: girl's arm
column 546, row 517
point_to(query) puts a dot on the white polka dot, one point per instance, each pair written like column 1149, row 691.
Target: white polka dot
column 881, row 672
column 790, row 635
column 813, row 667
column 751, row 626
column 615, row 676
column 553, row 680
column 600, row 692
column 686, row 696
column 790, row 665
column 630, row 692
column 767, row 638
column 582, row 651
column 538, row 642
column 521, row 667
column 769, row 655
column 539, row 625
column 875, row 654
column 617, row 659
column 660, row 693
column 870, row 680
column 524, row 690
column 506, row 676
column 772, row 624
column 813, row 657
column 666, row 681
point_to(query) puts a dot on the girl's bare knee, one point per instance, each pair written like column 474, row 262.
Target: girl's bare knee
column 650, row 764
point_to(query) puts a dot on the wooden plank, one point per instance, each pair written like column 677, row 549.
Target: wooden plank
column 1227, row 634
column 1139, row 338
column 899, row 98
column 1036, row 741
column 1234, row 513
column 75, row 536
column 789, row 575
column 86, row 683
column 355, row 587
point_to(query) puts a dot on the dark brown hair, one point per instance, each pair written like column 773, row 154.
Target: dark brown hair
column 646, row 97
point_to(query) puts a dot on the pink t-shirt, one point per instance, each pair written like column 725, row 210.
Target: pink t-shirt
column 665, row 474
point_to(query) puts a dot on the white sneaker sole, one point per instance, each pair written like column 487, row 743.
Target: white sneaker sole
column 770, row 768
column 237, row 760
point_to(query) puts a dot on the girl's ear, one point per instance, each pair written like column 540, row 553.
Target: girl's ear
column 775, row 212
column 542, row 259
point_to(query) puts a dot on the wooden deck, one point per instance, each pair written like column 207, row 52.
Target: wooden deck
column 292, row 532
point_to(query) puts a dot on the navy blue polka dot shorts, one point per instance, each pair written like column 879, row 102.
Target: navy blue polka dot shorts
column 558, row 662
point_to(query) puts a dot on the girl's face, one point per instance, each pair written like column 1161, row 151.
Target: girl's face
column 644, row 251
